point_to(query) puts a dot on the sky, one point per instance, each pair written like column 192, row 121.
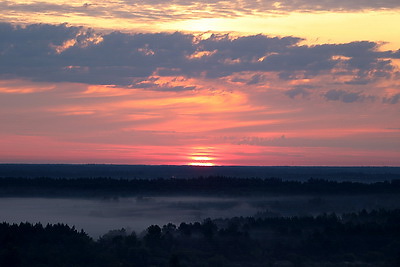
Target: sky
column 189, row 82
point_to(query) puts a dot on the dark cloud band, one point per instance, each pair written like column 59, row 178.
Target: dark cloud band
column 58, row 53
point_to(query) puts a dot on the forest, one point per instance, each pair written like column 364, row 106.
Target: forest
column 365, row 238
column 212, row 185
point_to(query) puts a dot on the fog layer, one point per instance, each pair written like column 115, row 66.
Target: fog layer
column 98, row 216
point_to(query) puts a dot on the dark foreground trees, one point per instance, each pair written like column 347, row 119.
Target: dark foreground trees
column 356, row 239
column 37, row 245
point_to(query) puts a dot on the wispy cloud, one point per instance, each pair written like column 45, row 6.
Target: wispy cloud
column 149, row 10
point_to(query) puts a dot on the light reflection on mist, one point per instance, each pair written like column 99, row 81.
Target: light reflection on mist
column 98, row 216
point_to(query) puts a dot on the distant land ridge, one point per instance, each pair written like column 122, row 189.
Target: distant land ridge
column 297, row 173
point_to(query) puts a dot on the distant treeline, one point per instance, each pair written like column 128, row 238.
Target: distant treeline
column 353, row 239
column 290, row 173
column 217, row 185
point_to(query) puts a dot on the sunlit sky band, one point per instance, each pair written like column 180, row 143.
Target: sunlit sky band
column 200, row 83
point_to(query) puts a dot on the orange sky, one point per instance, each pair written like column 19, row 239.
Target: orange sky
column 200, row 83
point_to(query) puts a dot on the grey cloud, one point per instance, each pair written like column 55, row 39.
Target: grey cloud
column 195, row 9
column 284, row 55
column 341, row 95
column 56, row 53
column 36, row 37
column 392, row 100
column 282, row 141
column 181, row 88
column 332, row 5
column 298, row 91
column 346, row 97
column 167, row 88
column 317, row 5
column 256, row 79
column 91, row 10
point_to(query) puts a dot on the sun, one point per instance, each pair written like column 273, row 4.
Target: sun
column 201, row 161
column 201, row 157
column 202, row 164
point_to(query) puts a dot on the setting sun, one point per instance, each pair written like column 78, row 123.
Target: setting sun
column 205, row 164
column 201, row 156
column 197, row 160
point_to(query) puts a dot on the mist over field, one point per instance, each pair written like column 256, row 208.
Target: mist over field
column 97, row 216
column 106, row 215
column 142, row 199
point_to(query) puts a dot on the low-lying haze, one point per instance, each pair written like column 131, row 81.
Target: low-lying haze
column 97, row 216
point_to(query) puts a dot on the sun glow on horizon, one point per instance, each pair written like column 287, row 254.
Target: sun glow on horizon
column 201, row 164
column 201, row 156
